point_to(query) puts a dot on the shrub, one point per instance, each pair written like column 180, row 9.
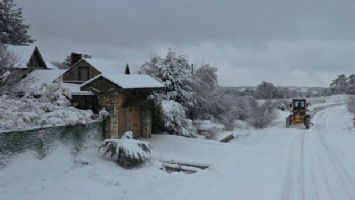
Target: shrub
column 351, row 104
column 261, row 114
column 175, row 121
column 126, row 151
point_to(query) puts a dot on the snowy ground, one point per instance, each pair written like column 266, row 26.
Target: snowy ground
column 272, row 163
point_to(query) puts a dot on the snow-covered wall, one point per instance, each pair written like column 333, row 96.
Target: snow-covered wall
column 43, row 140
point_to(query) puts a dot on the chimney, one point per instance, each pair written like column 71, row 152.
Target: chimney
column 75, row 57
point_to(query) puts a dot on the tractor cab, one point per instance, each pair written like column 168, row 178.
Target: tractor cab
column 299, row 113
column 299, row 104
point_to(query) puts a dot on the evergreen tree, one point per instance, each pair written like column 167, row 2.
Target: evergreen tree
column 340, row 84
column 13, row 31
column 351, row 79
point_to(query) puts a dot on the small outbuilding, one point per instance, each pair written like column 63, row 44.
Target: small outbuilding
column 84, row 69
column 125, row 98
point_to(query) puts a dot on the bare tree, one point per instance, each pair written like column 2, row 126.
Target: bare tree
column 267, row 90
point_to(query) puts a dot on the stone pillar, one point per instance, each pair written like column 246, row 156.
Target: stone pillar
column 110, row 102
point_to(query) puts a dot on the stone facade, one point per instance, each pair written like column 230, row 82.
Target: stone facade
column 85, row 102
column 125, row 118
column 128, row 108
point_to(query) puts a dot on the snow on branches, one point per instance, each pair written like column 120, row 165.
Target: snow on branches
column 103, row 114
column 176, row 74
column 175, row 121
column 126, row 151
column 55, row 93
column 12, row 28
column 52, row 108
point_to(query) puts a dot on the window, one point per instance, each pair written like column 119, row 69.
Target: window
column 83, row 73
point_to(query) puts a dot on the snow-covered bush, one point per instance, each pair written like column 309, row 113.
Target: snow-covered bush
column 176, row 74
column 51, row 109
column 103, row 114
column 351, row 104
column 126, row 151
column 261, row 114
column 55, row 93
column 233, row 107
column 175, row 121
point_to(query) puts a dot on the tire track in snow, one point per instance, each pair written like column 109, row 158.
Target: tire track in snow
column 293, row 182
column 337, row 164
column 322, row 185
column 308, row 151
column 325, row 179
column 287, row 182
column 314, row 185
column 288, row 177
column 300, row 182
column 294, row 179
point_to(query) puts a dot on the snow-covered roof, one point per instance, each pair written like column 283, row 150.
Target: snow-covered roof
column 35, row 79
column 106, row 66
column 75, row 89
column 25, row 53
column 51, row 66
column 129, row 81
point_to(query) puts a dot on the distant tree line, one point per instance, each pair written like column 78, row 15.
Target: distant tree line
column 343, row 84
column 266, row 90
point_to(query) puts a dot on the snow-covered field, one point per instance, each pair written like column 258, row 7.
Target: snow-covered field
column 272, row 163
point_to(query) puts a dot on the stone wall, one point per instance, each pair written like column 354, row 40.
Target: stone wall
column 108, row 102
column 125, row 118
column 42, row 141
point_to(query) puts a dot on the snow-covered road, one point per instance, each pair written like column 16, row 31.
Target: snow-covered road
column 272, row 163
column 321, row 160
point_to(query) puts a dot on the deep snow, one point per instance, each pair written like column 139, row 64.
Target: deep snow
column 272, row 163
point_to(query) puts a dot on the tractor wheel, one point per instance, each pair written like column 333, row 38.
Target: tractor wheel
column 307, row 122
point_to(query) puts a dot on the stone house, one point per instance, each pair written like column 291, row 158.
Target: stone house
column 125, row 98
column 95, row 84
column 83, row 69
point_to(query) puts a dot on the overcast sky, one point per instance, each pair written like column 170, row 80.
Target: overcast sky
column 299, row 42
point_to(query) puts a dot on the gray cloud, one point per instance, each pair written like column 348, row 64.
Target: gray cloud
column 249, row 41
